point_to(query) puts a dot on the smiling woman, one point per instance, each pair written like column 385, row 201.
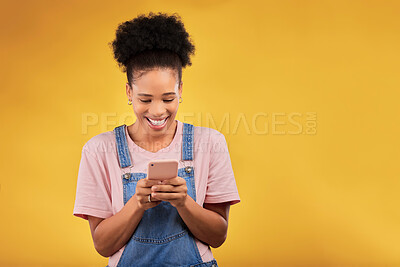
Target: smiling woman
column 141, row 222
column 155, row 103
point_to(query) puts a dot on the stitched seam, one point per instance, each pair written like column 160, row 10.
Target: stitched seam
column 160, row 241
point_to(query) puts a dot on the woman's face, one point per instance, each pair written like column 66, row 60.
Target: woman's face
column 155, row 100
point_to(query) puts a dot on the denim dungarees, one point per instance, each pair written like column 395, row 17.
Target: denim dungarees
column 161, row 237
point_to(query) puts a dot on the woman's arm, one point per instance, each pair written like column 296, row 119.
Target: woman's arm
column 111, row 234
column 208, row 224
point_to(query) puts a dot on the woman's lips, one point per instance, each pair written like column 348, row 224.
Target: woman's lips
column 157, row 124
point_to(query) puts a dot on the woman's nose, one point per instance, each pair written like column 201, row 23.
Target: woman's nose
column 157, row 109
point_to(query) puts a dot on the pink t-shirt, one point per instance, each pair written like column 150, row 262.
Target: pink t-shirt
column 99, row 189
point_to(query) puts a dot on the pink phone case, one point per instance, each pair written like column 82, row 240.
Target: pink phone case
column 162, row 169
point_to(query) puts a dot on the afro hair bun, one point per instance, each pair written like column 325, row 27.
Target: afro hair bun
column 153, row 32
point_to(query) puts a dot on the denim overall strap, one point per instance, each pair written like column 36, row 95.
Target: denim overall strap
column 122, row 147
column 187, row 141
column 187, row 155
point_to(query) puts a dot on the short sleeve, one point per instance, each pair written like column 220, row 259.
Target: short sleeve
column 221, row 184
column 93, row 190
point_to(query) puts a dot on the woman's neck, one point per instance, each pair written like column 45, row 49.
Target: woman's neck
column 150, row 142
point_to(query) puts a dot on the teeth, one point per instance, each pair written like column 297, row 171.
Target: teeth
column 156, row 122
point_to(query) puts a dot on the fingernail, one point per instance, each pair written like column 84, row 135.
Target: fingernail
column 159, row 182
column 154, row 187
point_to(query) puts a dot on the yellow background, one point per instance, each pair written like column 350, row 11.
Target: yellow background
column 330, row 198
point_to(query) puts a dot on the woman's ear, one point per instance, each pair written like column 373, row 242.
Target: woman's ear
column 128, row 91
column 180, row 89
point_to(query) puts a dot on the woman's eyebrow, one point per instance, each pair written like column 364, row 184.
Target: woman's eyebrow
column 144, row 95
column 169, row 93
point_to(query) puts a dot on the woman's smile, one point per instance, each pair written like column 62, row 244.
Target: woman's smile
column 157, row 124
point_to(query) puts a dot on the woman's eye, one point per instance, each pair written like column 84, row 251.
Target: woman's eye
column 168, row 100
column 145, row 101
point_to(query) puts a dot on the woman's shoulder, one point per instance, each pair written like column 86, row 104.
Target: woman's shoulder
column 208, row 134
column 101, row 142
column 210, row 140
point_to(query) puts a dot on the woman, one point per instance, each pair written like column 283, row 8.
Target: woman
column 141, row 222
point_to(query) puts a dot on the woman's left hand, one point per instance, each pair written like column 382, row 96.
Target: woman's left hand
column 173, row 190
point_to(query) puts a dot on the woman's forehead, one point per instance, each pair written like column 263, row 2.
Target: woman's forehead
column 156, row 89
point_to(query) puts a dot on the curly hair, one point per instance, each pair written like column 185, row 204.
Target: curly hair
column 154, row 41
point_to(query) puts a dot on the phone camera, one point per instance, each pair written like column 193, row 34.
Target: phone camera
column 152, row 164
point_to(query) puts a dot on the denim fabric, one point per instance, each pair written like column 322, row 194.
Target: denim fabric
column 187, row 142
column 122, row 146
column 161, row 237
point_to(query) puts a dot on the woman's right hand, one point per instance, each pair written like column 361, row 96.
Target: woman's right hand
column 143, row 191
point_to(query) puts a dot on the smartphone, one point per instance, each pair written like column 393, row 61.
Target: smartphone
column 162, row 169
